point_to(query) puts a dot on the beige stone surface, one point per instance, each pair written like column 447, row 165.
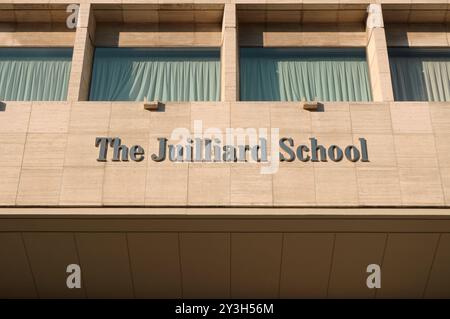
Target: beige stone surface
column 211, row 115
column 250, row 115
column 14, row 117
column 83, row 51
column 334, row 119
column 443, row 149
column 336, row 186
column 380, row 149
column 124, row 186
column 167, row 185
column 84, row 118
column 423, row 34
column 409, row 154
column 421, row 186
column 277, row 35
column 81, row 150
column 39, row 187
column 370, row 118
column 11, row 149
column 411, row 117
column 9, row 184
column 82, row 186
column 229, row 55
column 294, row 186
column 174, row 115
column 379, row 186
column 377, row 59
column 143, row 30
column 440, row 117
column 27, row 35
column 416, row 150
column 208, row 185
column 250, row 187
column 44, row 150
column 445, row 176
column 49, row 117
column 290, row 117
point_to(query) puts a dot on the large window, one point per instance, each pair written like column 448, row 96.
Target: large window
column 124, row 74
column 276, row 74
column 34, row 74
column 420, row 74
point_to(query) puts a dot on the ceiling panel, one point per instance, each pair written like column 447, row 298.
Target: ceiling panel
column 50, row 254
column 255, row 265
column 439, row 283
column 205, row 262
column 406, row 265
column 305, row 267
column 16, row 279
column 105, row 265
column 352, row 254
column 155, row 264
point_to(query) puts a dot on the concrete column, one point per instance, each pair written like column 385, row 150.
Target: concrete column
column 377, row 56
column 229, row 55
column 83, row 53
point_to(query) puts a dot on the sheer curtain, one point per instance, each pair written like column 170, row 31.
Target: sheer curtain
column 34, row 74
column 164, row 75
column 302, row 74
column 418, row 75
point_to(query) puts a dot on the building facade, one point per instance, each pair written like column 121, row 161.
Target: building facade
column 349, row 169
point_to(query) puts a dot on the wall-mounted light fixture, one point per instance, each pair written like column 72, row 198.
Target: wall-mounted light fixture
column 312, row 105
column 152, row 105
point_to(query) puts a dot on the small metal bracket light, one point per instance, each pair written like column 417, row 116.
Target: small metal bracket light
column 312, row 105
column 152, row 105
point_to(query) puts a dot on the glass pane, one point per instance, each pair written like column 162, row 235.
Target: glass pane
column 34, row 74
column 276, row 74
column 123, row 74
column 420, row 74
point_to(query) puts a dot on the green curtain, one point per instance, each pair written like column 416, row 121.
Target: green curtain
column 302, row 74
column 34, row 74
column 418, row 75
column 159, row 74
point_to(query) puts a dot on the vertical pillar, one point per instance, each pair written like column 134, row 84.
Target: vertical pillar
column 229, row 55
column 83, row 52
column 377, row 56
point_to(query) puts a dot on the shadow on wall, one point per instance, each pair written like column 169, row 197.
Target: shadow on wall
column 109, row 34
column 420, row 74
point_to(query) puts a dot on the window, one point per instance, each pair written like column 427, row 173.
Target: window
column 276, row 74
column 34, row 74
column 124, row 74
column 420, row 74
